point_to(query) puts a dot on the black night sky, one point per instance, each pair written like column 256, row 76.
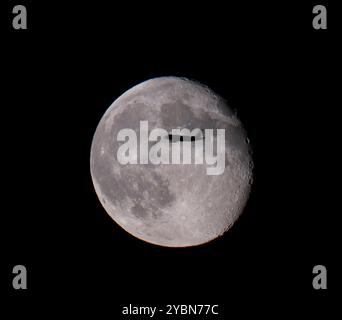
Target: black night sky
column 63, row 72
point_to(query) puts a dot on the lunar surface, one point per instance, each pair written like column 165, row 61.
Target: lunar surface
column 173, row 205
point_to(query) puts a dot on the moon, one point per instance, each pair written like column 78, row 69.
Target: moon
column 172, row 205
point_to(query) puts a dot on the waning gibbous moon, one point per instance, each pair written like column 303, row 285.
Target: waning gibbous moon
column 173, row 205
